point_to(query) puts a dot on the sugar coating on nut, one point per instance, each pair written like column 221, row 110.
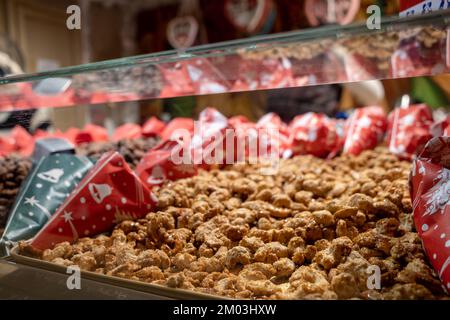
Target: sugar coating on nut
column 311, row 231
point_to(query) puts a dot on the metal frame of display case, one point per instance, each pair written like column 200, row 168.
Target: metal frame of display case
column 24, row 282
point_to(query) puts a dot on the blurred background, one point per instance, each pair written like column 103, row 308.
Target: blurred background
column 34, row 37
column 119, row 28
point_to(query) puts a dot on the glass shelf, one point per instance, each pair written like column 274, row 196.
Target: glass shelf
column 402, row 47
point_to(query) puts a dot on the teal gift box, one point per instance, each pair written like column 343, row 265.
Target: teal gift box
column 50, row 182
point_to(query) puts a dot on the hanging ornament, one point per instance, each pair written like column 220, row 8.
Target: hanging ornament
column 251, row 16
column 184, row 30
column 320, row 12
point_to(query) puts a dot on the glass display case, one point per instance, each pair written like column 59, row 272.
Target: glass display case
column 334, row 203
column 401, row 47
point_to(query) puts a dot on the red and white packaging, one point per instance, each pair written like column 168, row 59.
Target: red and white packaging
column 7, row 145
column 174, row 127
column 90, row 133
column 265, row 74
column 323, row 68
column 153, row 127
column 272, row 120
column 109, row 193
column 246, row 135
column 209, row 142
column 166, row 161
column 365, row 129
column 261, row 142
column 183, row 151
column 127, row 131
column 418, row 7
column 206, row 78
column 77, row 136
column 409, row 129
column 315, row 134
column 237, row 121
column 413, row 57
column 277, row 134
column 356, row 66
column 197, row 76
column 215, row 141
column 176, row 80
column 18, row 141
column 441, row 128
column 24, row 142
column 98, row 133
column 446, row 131
column 430, row 193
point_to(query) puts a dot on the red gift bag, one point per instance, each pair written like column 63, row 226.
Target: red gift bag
column 170, row 160
column 276, row 133
column 127, row 131
column 205, row 77
column 24, row 142
column 176, row 80
column 441, row 128
column 430, row 192
column 153, row 127
column 315, row 134
column 212, row 138
column 108, row 194
column 7, row 145
column 174, row 126
column 264, row 74
column 409, row 130
column 364, row 129
column 98, row 133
